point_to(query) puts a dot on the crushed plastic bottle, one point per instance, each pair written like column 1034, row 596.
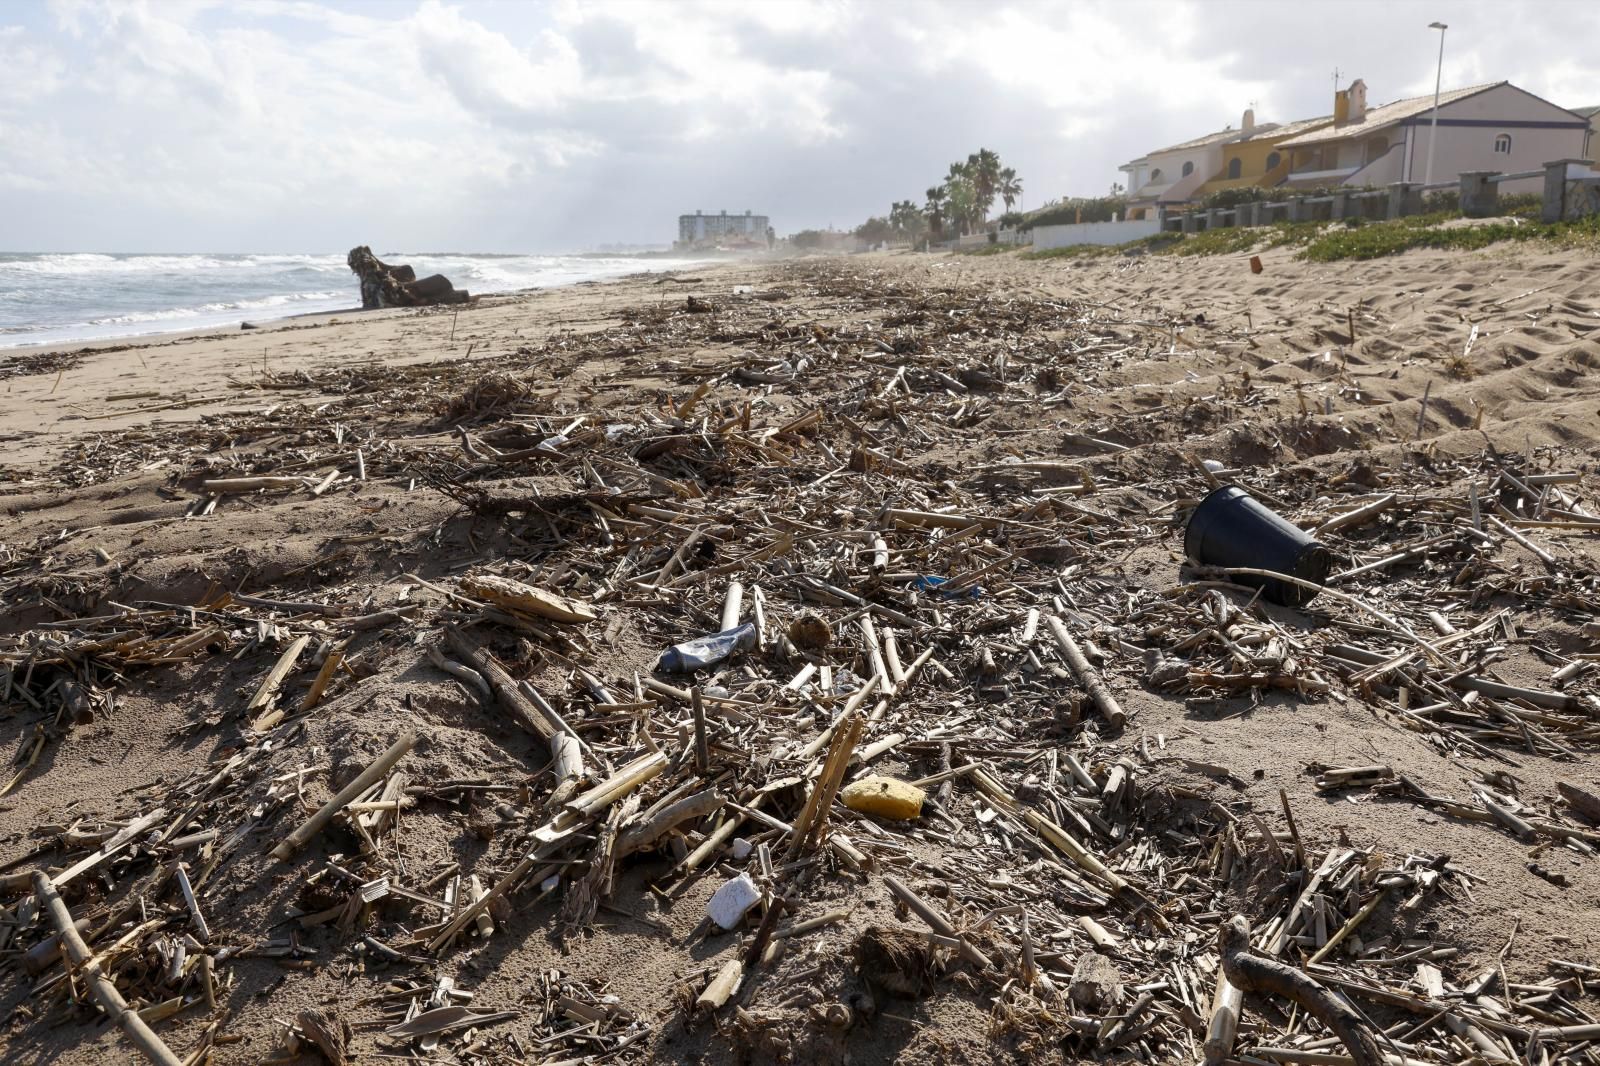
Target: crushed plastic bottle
column 701, row 652
column 930, row 583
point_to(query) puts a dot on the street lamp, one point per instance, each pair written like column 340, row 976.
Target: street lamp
column 1438, row 76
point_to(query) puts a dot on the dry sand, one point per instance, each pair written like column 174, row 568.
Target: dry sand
column 104, row 449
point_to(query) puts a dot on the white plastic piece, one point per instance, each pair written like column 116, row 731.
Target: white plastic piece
column 742, row 848
column 729, row 903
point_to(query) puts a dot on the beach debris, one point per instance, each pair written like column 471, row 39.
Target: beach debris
column 886, row 797
column 386, row 285
column 729, row 903
column 1230, row 530
column 520, row 598
column 1096, row 986
column 702, row 652
column 1054, row 784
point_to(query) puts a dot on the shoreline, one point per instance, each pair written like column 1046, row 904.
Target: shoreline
column 31, row 348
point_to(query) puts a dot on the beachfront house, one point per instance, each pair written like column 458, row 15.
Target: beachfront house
column 1591, row 144
column 1257, row 159
column 1171, row 175
column 1495, row 127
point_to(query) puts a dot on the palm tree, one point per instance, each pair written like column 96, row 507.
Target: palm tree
column 906, row 219
column 935, row 210
column 1010, row 187
column 961, row 202
column 984, row 168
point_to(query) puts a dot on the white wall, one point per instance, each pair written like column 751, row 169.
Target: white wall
column 1093, row 233
column 1463, row 148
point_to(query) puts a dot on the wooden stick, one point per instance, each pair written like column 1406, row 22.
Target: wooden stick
column 646, row 833
column 268, row 689
column 104, row 990
column 225, row 485
column 368, row 777
column 505, row 689
column 702, row 743
column 1103, row 700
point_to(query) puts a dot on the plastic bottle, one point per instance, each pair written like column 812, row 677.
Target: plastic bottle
column 701, row 652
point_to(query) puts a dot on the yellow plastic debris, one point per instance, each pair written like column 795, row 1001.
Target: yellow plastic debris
column 886, row 797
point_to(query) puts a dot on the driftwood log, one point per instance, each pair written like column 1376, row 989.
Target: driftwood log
column 1250, row 971
column 397, row 285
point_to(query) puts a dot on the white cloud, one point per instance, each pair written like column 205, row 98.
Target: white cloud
column 156, row 124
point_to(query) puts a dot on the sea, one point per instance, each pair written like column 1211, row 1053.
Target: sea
column 81, row 296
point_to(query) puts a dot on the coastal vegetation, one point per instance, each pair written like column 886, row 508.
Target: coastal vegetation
column 957, row 206
column 1353, row 238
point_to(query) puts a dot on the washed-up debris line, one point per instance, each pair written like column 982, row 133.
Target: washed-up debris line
column 761, row 629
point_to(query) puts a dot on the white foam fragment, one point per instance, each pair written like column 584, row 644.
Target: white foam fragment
column 729, row 903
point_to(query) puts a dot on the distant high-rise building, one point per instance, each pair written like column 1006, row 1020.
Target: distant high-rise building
column 701, row 229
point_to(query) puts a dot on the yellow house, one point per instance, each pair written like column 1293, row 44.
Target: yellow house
column 1256, row 160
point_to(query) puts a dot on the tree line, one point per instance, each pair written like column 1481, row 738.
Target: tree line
column 957, row 206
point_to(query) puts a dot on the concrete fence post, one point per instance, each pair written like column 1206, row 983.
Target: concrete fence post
column 1555, row 188
column 1399, row 199
column 1246, row 215
column 1213, row 218
column 1340, row 207
column 1480, row 197
column 1300, row 209
column 1161, row 220
column 1190, row 221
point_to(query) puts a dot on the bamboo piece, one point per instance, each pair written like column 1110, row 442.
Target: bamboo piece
column 1359, row 516
column 702, row 743
column 505, row 689
column 268, row 689
column 1103, row 700
column 551, row 837
column 732, row 605
column 1580, row 800
column 324, row 678
column 814, row 816
column 721, row 987
column 365, row 780
column 223, row 486
column 566, row 761
column 104, row 990
column 935, row 921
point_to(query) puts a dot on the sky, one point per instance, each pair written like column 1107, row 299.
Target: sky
column 518, row 126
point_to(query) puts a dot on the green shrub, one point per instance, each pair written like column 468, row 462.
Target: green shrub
column 1067, row 212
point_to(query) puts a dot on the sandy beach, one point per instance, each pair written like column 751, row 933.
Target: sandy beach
column 635, row 446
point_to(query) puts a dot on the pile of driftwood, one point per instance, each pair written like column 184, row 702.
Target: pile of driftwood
column 763, row 642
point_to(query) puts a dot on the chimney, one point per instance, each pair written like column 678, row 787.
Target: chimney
column 1358, row 100
column 1341, row 107
column 1248, row 123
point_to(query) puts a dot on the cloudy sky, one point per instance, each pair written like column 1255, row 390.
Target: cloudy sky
column 510, row 125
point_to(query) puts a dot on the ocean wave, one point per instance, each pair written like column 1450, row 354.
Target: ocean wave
column 265, row 303
column 46, row 299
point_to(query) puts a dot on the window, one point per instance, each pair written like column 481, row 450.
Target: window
column 1235, row 167
column 1155, row 175
column 1273, row 159
column 1188, row 168
column 1502, row 144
